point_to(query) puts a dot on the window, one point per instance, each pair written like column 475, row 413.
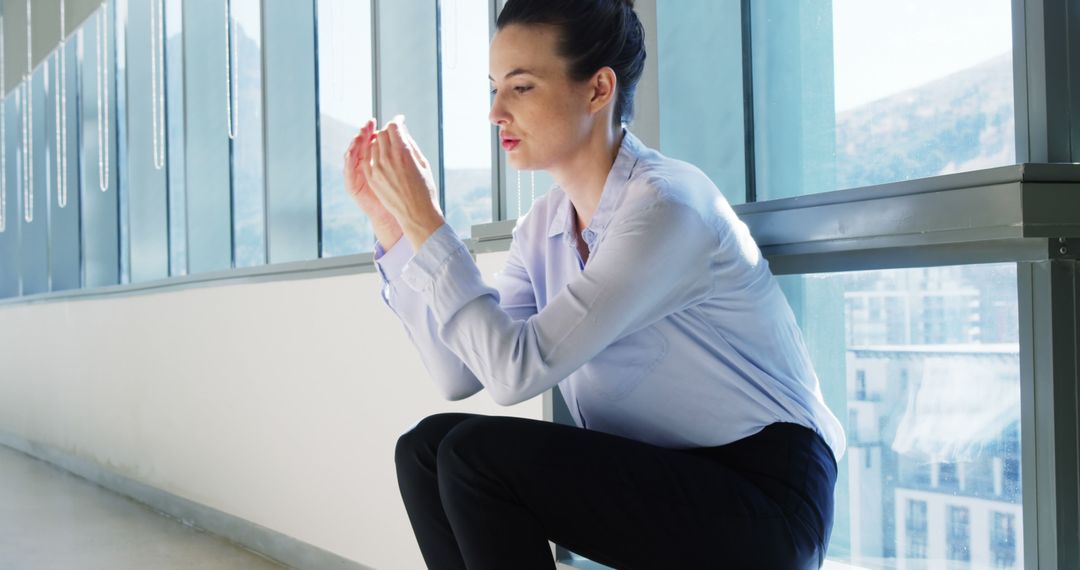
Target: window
column 61, row 150
column 97, row 153
column 467, row 132
column 34, row 224
column 522, row 188
column 146, row 168
column 174, row 133
column 248, row 184
column 118, row 18
column 931, row 423
column 947, row 476
column 290, row 96
column 210, row 114
column 703, row 130
column 916, row 529
column 843, row 97
column 1011, row 469
column 10, row 213
column 959, row 534
column 1003, row 540
column 345, row 103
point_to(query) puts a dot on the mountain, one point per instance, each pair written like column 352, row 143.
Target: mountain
column 963, row 121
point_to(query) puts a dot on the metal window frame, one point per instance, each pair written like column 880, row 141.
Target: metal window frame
column 1046, row 57
column 1049, row 296
column 498, row 159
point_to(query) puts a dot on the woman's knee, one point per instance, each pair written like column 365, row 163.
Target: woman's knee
column 424, row 437
column 475, row 438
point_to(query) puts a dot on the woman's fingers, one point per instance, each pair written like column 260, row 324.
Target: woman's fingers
column 364, row 151
column 404, row 140
column 362, row 161
column 393, row 132
column 352, row 147
column 355, row 150
column 417, row 155
column 383, row 147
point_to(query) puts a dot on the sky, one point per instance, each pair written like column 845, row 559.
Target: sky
column 881, row 47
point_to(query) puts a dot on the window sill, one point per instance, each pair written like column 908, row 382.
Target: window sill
column 1023, row 212
column 1009, row 213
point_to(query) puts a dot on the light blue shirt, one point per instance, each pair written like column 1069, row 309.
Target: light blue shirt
column 674, row 332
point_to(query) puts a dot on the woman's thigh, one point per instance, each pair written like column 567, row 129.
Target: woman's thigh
column 623, row 502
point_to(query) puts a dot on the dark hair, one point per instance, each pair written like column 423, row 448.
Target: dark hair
column 592, row 34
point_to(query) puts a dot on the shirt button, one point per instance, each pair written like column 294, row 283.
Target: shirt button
column 589, row 235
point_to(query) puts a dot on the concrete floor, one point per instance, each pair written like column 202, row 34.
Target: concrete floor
column 51, row 519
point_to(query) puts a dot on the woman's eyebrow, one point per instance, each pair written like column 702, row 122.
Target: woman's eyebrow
column 516, row 71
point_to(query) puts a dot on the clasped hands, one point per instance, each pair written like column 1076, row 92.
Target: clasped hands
column 391, row 181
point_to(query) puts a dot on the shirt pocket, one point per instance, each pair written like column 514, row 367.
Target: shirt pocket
column 615, row 371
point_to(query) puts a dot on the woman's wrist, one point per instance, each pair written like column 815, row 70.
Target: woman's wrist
column 419, row 228
column 388, row 232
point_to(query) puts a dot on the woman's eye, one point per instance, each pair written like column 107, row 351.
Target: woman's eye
column 519, row 89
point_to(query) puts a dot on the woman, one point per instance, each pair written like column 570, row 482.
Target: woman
column 633, row 287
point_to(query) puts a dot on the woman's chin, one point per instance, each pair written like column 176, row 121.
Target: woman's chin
column 516, row 162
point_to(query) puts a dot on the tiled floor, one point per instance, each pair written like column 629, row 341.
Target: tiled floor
column 51, row 519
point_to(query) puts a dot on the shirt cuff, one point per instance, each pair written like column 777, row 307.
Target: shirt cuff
column 444, row 273
column 390, row 263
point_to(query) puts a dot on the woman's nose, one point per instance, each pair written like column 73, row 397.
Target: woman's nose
column 497, row 115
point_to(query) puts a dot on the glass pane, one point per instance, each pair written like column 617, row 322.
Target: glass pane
column 145, row 162
column 701, row 114
column 206, row 137
column 520, row 188
column 247, row 166
column 34, row 230
column 97, row 153
column 851, row 93
column 174, row 111
column 929, row 467
column 345, row 103
column 466, row 130
column 61, row 146
column 291, row 131
column 9, row 201
column 118, row 25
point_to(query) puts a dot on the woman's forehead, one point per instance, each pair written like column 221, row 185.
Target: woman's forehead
column 518, row 49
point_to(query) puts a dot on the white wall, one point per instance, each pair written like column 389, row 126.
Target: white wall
column 277, row 402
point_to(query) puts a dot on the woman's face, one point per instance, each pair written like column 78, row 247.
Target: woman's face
column 535, row 103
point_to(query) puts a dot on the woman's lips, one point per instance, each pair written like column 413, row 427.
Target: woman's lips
column 510, row 144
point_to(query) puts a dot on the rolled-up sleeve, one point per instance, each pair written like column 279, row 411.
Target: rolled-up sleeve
column 650, row 263
column 451, row 376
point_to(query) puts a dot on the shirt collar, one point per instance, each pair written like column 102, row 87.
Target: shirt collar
column 629, row 151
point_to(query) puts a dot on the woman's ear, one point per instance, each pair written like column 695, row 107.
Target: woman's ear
column 602, row 85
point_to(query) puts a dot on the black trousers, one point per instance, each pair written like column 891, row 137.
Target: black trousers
column 488, row 492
